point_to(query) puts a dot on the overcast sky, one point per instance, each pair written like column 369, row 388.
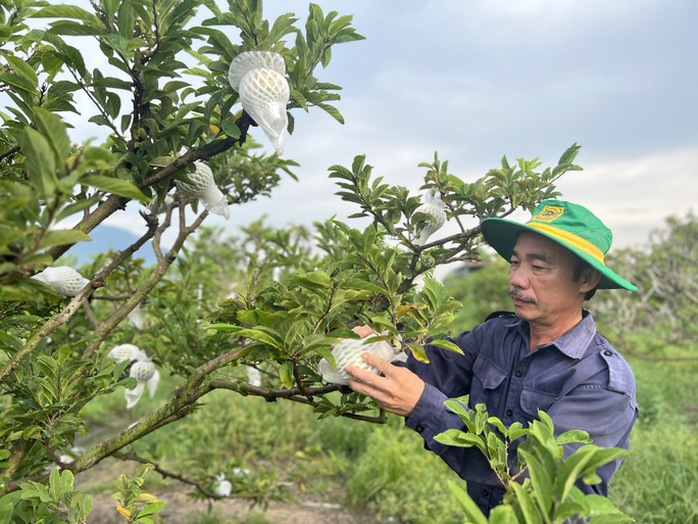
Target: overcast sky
column 479, row 79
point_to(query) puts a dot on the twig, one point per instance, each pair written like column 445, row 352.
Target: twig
column 167, row 474
column 115, row 202
column 9, row 152
column 303, row 396
column 49, row 327
column 181, row 405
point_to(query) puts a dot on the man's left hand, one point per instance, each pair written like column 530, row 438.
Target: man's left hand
column 397, row 391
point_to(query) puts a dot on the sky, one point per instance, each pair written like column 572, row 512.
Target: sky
column 475, row 80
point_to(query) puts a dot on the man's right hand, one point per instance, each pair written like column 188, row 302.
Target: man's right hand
column 364, row 331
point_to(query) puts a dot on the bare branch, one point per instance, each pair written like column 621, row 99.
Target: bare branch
column 168, row 474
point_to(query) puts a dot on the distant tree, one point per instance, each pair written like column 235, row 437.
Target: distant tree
column 666, row 275
column 209, row 308
column 161, row 93
column 481, row 288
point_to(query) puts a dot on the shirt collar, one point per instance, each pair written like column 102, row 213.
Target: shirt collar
column 573, row 343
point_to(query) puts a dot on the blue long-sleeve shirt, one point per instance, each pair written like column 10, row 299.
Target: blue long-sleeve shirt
column 579, row 380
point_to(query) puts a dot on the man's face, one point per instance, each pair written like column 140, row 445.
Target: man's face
column 541, row 281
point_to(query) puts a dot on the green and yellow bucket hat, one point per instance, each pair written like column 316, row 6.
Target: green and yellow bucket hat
column 571, row 225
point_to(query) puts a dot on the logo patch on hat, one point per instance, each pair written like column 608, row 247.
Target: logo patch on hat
column 548, row 213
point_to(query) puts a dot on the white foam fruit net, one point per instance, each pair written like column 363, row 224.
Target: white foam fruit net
column 434, row 207
column 349, row 351
column 143, row 371
column 64, row 279
column 124, row 352
column 258, row 76
column 249, row 60
column 203, row 186
column 223, row 486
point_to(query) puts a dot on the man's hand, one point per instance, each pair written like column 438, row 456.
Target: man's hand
column 397, row 391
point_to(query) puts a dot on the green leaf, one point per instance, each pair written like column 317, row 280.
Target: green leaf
column 230, row 129
column 11, row 293
column 72, row 56
column 327, row 354
column 67, row 481
column 7, row 503
column 225, row 327
column 76, row 207
column 503, row 514
column 316, row 280
column 332, row 111
column 70, row 28
column 472, row 511
column 365, row 285
column 54, row 484
column 546, row 420
column 541, row 480
column 574, row 436
column 62, row 237
column 39, row 162
column 23, row 71
column 460, row 439
column 497, row 423
column 286, row 373
column 151, row 509
column 459, row 407
column 516, row 430
column 120, row 44
column 268, row 336
column 526, row 504
column 116, row 186
column 446, row 344
column 603, row 511
column 66, row 11
column 127, row 19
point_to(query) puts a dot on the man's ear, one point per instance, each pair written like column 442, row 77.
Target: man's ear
column 590, row 278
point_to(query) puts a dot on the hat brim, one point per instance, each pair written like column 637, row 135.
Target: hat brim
column 501, row 234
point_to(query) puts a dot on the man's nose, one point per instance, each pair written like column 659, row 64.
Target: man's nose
column 518, row 277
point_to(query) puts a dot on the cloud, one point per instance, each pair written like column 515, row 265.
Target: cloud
column 527, row 78
column 634, row 196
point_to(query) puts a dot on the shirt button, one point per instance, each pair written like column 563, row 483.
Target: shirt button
column 608, row 352
column 509, row 413
column 485, row 492
column 419, row 428
column 518, row 373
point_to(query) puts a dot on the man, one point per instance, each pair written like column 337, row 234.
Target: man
column 548, row 357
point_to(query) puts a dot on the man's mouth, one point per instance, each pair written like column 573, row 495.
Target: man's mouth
column 518, row 296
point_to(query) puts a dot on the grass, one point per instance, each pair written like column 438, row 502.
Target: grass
column 384, row 469
column 395, row 478
column 657, row 483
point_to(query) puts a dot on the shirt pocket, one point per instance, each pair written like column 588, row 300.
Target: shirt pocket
column 487, row 378
column 532, row 400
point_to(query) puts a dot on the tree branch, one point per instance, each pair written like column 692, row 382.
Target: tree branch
column 168, row 474
column 296, row 394
column 115, row 202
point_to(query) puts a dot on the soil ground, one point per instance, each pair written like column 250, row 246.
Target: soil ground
column 183, row 509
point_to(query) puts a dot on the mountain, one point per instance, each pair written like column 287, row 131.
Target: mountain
column 105, row 238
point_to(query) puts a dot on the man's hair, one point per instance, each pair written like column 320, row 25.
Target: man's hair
column 579, row 266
